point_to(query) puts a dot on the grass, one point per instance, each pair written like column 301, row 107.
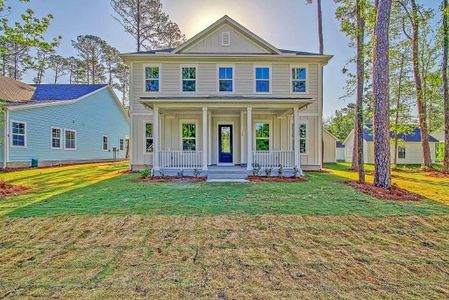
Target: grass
column 86, row 232
column 323, row 194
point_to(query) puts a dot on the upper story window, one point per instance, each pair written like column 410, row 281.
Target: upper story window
column 18, row 130
column 225, row 79
column 188, row 79
column 56, row 137
column 105, row 143
column 226, row 39
column 262, row 79
column 299, row 79
column 70, row 139
column 152, row 79
column 148, row 137
column 188, row 139
column 262, row 136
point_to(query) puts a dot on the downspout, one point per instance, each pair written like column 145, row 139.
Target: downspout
column 6, row 139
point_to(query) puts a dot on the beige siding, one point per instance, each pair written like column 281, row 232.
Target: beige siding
column 213, row 43
column 329, row 143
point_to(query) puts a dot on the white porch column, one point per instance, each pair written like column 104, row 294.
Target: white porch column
column 249, row 126
column 296, row 138
column 205, row 139
column 156, row 141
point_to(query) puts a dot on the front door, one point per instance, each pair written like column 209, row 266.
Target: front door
column 225, row 144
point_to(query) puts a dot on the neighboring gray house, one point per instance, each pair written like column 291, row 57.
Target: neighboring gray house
column 226, row 97
column 60, row 124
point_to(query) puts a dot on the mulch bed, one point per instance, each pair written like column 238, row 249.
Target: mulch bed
column 395, row 193
column 9, row 190
column 171, row 179
column 438, row 175
column 276, row 179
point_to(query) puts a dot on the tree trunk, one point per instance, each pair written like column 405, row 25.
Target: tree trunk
column 398, row 104
column 382, row 175
column 445, row 88
column 422, row 111
column 56, row 76
column 320, row 26
column 359, row 100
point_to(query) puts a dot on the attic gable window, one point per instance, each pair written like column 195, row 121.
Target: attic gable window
column 226, row 39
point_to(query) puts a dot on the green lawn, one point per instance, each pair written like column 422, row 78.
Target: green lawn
column 323, row 194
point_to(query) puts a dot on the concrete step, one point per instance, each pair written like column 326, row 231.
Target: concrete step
column 227, row 180
column 227, row 176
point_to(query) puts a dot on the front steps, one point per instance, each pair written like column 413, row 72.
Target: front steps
column 227, row 174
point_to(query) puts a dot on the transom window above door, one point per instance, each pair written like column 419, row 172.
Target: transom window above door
column 225, row 79
column 299, row 80
column 188, row 139
column 262, row 79
column 188, row 79
column 152, row 79
column 262, row 136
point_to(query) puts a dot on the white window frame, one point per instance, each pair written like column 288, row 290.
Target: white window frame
column 25, row 135
column 145, row 136
column 121, row 144
column 270, row 80
column 218, row 79
column 223, row 34
column 145, row 79
column 188, row 121
column 107, row 143
column 182, row 80
column 61, row 138
column 270, row 138
column 76, row 143
column 306, row 67
column 405, row 152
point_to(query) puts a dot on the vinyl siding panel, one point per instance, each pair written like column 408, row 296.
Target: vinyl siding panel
column 92, row 118
column 329, row 143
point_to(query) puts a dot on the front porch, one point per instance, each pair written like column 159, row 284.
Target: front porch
column 208, row 139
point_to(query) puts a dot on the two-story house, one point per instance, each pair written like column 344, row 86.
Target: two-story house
column 226, row 97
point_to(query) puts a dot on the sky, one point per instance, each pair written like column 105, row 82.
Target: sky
column 287, row 24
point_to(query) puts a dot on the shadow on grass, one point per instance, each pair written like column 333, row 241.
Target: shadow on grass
column 323, row 194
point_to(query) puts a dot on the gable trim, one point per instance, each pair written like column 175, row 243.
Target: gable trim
column 226, row 19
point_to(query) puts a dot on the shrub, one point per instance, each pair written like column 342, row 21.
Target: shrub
column 268, row 172
column 281, row 171
column 256, row 169
column 196, row 172
column 295, row 172
column 145, row 173
column 180, row 174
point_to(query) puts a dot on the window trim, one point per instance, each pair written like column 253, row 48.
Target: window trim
column 270, row 79
column 188, row 121
column 145, row 136
column 145, row 79
column 25, row 135
column 61, row 138
column 182, row 80
column 270, row 139
column 121, row 144
column 307, row 79
column 233, row 78
column 76, row 136
column 107, row 143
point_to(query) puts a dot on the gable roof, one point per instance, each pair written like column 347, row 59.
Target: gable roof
column 15, row 91
column 235, row 25
column 62, row 92
column 413, row 136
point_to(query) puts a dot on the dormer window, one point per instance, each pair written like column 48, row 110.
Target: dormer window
column 226, row 39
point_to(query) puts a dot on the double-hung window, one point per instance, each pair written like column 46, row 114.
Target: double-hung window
column 149, row 137
column 401, row 152
column 262, row 136
column 262, row 79
column 56, row 138
column 299, row 80
column 225, row 79
column 18, row 134
column 152, row 79
column 302, row 138
column 188, row 79
column 121, row 144
column 70, row 139
column 188, row 130
column 105, row 143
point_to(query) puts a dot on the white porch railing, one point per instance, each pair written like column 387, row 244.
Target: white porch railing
column 272, row 159
column 180, row 159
